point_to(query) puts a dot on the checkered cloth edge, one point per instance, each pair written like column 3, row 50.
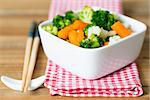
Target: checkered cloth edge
column 61, row 6
column 124, row 82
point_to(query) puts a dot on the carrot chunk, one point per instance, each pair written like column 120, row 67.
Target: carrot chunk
column 75, row 37
column 78, row 24
column 63, row 33
column 80, row 35
column 120, row 29
column 106, row 43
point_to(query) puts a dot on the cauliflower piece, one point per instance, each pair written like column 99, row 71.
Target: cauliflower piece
column 94, row 30
column 104, row 33
column 111, row 33
column 114, row 39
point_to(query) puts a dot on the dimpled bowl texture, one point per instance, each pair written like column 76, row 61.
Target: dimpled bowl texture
column 97, row 62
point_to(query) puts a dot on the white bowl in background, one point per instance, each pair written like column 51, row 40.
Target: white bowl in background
column 97, row 62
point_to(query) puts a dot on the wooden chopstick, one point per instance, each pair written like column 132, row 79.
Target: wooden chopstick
column 36, row 42
column 27, row 53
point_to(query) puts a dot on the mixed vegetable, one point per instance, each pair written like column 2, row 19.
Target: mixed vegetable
column 88, row 28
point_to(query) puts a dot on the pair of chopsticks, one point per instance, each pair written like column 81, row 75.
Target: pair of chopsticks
column 31, row 51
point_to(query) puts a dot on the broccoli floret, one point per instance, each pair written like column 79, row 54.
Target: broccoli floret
column 58, row 21
column 86, row 43
column 54, row 30
column 86, row 14
column 67, row 22
column 107, row 39
column 70, row 15
column 92, row 29
column 103, row 19
column 86, row 29
column 96, row 41
column 51, row 29
column 61, row 21
column 111, row 21
column 93, row 42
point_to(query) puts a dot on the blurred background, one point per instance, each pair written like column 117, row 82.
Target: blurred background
column 15, row 19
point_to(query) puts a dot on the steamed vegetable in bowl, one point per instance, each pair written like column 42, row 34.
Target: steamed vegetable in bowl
column 88, row 28
column 106, row 32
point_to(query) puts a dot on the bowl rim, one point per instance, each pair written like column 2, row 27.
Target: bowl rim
column 49, row 21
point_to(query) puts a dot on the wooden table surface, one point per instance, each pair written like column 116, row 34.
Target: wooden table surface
column 15, row 18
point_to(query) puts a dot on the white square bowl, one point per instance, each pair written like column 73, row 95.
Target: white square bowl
column 97, row 62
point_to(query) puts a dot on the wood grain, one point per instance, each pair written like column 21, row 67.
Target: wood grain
column 15, row 19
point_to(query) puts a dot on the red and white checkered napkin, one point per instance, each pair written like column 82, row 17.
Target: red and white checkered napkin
column 124, row 82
